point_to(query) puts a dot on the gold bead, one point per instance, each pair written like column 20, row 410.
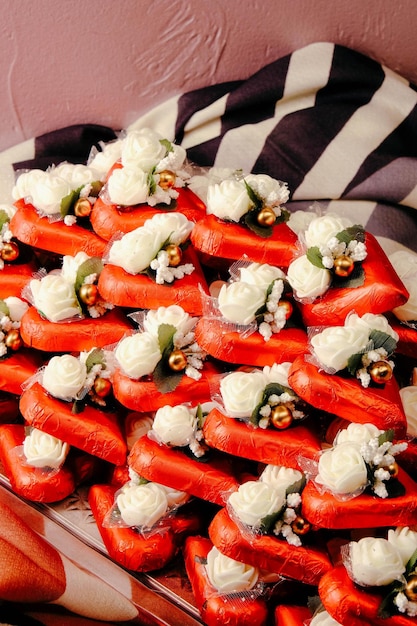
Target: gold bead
column 281, row 416
column 88, row 294
column 102, row 387
column 9, row 252
column 82, row 208
column 411, row 588
column 393, row 469
column 174, row 254
column 343, row 266
column 177, row 360
column 380, row 372
column 167, row 179
column 286, row 304
column 13, row 340
column 300, row 526
column 266, row 216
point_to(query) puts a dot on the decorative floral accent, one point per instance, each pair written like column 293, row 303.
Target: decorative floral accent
column 165, row 348
column 254, row 201
column 180, row 426
column 156, row 248
column 409, row 402
column 335, row 249
column 261, row 397
column 9, row 248
column 405, row 264
column 227, row 575
column 271, row 504
column 390, row 564
column 12, row 310
column 43, row 450
column 362, row 347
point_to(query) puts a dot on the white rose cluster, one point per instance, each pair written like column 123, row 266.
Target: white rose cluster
column 405, row 264
column 254, row 501
column 409, row 401
column 64, row 377
column 142, row 505
column 178, row 426
column 323, row 618
column 229, row 576
column 43, row 450
column 11, row 315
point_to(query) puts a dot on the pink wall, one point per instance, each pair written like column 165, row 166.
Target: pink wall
column 108, row 61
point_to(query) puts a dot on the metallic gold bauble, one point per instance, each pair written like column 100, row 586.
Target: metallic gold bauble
column 266, row 216
column 9, row 252
column 102, row 387
column 13, row 340
column 380, row 372
column 411, row 588
column 174, row 254
column 343, row 266
column 286, row 304
column 177, row 360
column 281, row 416
column 393, row 469
column 166, row 179
column 82, row 208
column 88, row 294
column 300, row 526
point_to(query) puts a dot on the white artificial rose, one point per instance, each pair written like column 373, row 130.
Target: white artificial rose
column 357, row 433
column 241, row 392
column 277, row 373
column 404, row 263
column 299, row 221
column 229, row 576
column 334, row 345
column 307, row 280
column 64, row 376
column 128, row 186
column 48, row 191
column 342, row 469
column 408, row 312
column 142, row 505
column 255, row 500
column 375, row 562
column 273, row 192
column 405, row 540
column 323, row 228
column 238, row 302
column 142, row 148
column 228, row 200
column 136, row 425
column 54, row 298
column 173, row 227
column 175, row 497
column 173, row 315
column 17, row 307
column 70, row 265
column 174, row 160
column 174, row 425
column 25, row 183
column 138, row 354
column 409, row 402
column 43, row 450
column 76, row 174
column 260, row 274
column 280, row 477
column 102, row 161
column 371, row 321
column 324, row 619
column 136, row 249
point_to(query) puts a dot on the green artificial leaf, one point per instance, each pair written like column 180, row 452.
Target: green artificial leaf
column 411, row 564
column 254, row 198
column 383, row 340
column 387, row 435
column 250, row 219
column 4, row 218
column 167, row 145
column 4, row 309
column 352, row 233
column 67, row 202
column 166, row 334
column 200, row 417
column 355, row 279
column 96, row 357
column 151, row 182
column 93, row 265
column 315, row 257
column 270, row 390
column 165, row 379
column 354, row 363
column 78, row 406
column 296, row 487
column 269, row 521
column 387, row 607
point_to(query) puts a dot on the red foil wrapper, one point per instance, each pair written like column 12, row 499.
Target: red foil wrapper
column 291, row 615
column 218, row 341
column 306, row 564
column 407, row 341
column 217, row 609
column 364, row 511
column 143, row 395
column 231, row 241
column 382, row 291
column 346, row 398
column 267, row 445
column 350, row 604
column 140, row 291
column 14, row 277
column 94, row 431
column 74, row 336
column 17, row 368
column 27, row 226
column 108, row 219
column 206, row 479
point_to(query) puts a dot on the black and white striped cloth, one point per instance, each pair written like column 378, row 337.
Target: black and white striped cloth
column 337, row 126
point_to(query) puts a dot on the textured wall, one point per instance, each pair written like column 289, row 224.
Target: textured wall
column 108, row 61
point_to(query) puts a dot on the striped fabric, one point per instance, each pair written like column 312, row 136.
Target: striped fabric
column 340, row 128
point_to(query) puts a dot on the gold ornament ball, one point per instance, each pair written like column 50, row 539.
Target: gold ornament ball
column 300, row 526
column 9, row 252
column 393, row 469
column 343, row 266
column 266, row 217
column 166, row 179
column 82, row 208
column 380, row 372
column 281, row 417
column 174, row 254
column 13, row 340
column 88, row 294
column 411, row 588
column 102, row 387
column 286, row 304
column 177, row 360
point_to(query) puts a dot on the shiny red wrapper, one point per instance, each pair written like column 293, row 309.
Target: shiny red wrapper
column 14, row 277
column 17, row 368
column 94, row 431
column 286, row 615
